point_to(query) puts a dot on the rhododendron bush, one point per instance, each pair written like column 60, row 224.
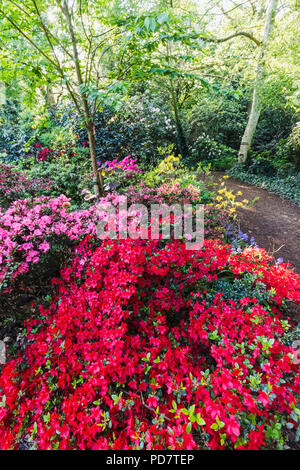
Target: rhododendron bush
column 118, row 174
column 138, row 349
column 16, row 185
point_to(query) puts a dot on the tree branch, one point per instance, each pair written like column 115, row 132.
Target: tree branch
column 17, row 27
column 49, row 59
column 241, row 33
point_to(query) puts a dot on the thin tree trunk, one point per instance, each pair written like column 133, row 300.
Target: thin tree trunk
column 179, row 129
column 49, row 97
column 97, row 178
column 2, row 93
column 256, row 101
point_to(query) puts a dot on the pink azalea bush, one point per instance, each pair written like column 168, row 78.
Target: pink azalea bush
column 127, row 165
column 38, row 231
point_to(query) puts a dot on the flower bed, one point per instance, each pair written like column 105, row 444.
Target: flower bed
column 39, row 232
column 139, row 349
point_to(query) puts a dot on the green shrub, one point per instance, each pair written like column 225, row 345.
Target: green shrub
column 207, row 150
column 70, row 177
column 262, row 165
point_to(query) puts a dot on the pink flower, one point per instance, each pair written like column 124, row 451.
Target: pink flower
column 44, row 246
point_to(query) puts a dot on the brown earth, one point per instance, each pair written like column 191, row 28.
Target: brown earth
column 273, row 221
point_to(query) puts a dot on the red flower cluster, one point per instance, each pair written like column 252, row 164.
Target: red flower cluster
column 138, row 351
column 44, row 154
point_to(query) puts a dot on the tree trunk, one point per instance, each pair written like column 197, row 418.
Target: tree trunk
column 97, row 178
column 181, row 140
column 49, row 96
column 256, row 101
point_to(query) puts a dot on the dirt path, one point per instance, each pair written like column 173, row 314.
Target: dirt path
column 273, row 221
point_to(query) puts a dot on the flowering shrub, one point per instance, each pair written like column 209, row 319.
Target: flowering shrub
column 138, row 350
column 128, row 165
column 226, row 199
column 169, row 193
column 119, row 174
column 37, row 233
column 169, row 170
column 43, row 154
column 208, row 150
column 17, row 185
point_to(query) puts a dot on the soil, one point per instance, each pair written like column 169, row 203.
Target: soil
column 273, row 221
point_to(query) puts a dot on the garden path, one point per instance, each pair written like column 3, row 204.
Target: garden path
column 273, row 221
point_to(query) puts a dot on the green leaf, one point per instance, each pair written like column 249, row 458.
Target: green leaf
column 200, row 420
column 152, row 24
column 3, row 401
column 147, row 23
column 188, row 428
column 163, row 18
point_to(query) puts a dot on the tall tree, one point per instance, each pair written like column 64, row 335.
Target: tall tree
column 71, row 39
column 260, row 72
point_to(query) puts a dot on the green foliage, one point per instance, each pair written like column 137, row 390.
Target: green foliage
column 207, row 150
column 70, row 177
column 275, row 124
column 219, row 112
column 289, row 186
column 139, row 127
column 262, row 165
column 238, row 288
column 15, row 130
